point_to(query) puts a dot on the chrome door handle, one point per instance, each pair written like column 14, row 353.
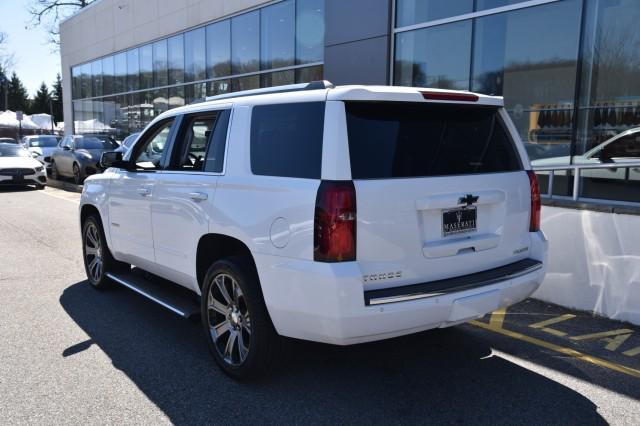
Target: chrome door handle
column 199, row 196
column 144, row 191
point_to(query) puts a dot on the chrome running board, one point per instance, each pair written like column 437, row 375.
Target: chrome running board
column 163, row 295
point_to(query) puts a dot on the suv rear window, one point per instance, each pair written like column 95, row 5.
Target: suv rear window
column 404, row 140
column 286, row 139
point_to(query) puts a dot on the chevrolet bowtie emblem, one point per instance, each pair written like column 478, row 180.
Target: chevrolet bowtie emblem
column 468, row 199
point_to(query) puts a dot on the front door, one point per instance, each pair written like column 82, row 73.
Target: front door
column 184, row 194
column 131, row 192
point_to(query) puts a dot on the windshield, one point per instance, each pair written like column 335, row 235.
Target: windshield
column 43, row 142
column 95, row 142
column 129, row 140
column 13, row 151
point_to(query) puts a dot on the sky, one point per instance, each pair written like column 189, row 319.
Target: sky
column 35, row 60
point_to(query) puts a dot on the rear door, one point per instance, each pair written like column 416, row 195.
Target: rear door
column 441, row 191
column 184, row 194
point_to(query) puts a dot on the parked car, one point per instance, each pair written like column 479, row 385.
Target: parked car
column 41, row 147
column 8, row 140
column 78, row 156
column 127, row 142
column 334, row 214
column 622, row 148
column 18, row 167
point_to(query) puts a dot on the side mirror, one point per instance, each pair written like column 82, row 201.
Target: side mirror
column 113, row 159
column 66, row 148
column 34, row 154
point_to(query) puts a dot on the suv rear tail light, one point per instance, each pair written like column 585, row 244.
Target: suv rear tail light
column 444, row 96
column 334, row 233
column 534, row 224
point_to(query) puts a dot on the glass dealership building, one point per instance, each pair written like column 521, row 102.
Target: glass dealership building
column 569, row 70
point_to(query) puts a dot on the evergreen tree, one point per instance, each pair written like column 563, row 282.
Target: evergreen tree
column 17, row 94
column 40, row 103
column 3, row 87
column 56, row 94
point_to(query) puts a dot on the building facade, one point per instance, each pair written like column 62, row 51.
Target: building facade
column 569, row 70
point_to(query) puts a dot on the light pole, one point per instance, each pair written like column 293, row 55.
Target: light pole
column 51, row 113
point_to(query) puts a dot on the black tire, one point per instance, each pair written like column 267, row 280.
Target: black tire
column 54, row 171
column 91, row 233
column 264, row 346
column 77, row 174
column 39, row 186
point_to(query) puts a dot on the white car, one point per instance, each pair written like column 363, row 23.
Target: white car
column 622, row 148
column 18, row 167
column 41, row 147
column 333, row 214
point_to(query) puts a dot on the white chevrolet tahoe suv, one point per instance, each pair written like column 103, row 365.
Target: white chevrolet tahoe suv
column 333, row 214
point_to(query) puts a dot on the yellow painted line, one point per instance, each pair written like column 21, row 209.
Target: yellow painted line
column 601, row 334
column 543, row 324
column 632, row 352
column 615, row 342
column 554, row 331
column 497, row 317
column 565, row 351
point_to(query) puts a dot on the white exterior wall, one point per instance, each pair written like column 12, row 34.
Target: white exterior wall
column 594, row 262
column 109, row 26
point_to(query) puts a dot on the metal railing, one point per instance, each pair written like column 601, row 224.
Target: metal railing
column 576, row 169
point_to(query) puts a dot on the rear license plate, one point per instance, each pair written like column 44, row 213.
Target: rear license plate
column 458, row 221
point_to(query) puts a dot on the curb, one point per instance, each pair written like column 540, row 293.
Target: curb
column 65, row 186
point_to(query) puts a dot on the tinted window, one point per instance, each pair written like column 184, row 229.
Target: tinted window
column 96, row 73
column 95, row 142
column 120, row 61
column 107, row 75
column 190, row 153
column 286, row 140
column 176, row 59
column 133, row 69
column 160, row 77
column 43, row 142
column 400, row 140
column 215, row 153
column 146, row 66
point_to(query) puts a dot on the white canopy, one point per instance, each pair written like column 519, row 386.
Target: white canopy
column 41, row 120
column 88, row 126
column 8, row 119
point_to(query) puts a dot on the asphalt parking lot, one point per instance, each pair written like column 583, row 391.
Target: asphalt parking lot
column 70, row 355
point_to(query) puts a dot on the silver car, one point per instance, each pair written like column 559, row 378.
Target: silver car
column 41, row 147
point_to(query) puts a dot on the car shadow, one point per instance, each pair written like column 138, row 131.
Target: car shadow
column 17, row 188
column 442, row 376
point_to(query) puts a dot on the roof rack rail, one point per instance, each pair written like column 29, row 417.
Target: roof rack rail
column 314, row 85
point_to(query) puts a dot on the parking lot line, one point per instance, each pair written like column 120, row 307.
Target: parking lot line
column 561, row 349
column 50, row 193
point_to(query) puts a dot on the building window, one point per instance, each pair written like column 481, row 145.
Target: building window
column 121, row 72
column 245, row 43
column 108, row 74
column 410, row 12
column 277, row 35
column 146, row 66
column 195, row 55
column 133, row 70
column 160, row 64
column 434, row 57
column 218, row 49
column 96, row 76
column 309, row 31
column 175, row 46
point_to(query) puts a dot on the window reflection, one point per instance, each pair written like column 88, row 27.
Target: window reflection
column 133, row 69
column 245, row 47
column 409, row 12
column 218, row 49
column 434, row 57
column 277, row 35
column 194, row 55
column 96, row 76
column 176, row 97
column 160, row 101
column 218, row 87
column 309, row 74
column 160, row 72
column 121, row 72
column 175, row 55
column 108, row 74
column 146, row 66
column 309, row 31
column 279, row 78
column 245, row 83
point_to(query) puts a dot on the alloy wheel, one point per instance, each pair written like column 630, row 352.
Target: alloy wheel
column 93, row 252
column 76, row 174
column 229, row 319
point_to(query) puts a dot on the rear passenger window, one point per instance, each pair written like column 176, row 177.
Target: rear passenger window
column 404, row 140
column 286, row 140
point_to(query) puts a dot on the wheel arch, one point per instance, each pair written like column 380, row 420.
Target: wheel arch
column 213, row 247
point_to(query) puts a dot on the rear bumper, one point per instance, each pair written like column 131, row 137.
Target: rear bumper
column 326, row 302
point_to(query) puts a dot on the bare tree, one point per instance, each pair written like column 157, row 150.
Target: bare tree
column 49, row 13
column 6, row 56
